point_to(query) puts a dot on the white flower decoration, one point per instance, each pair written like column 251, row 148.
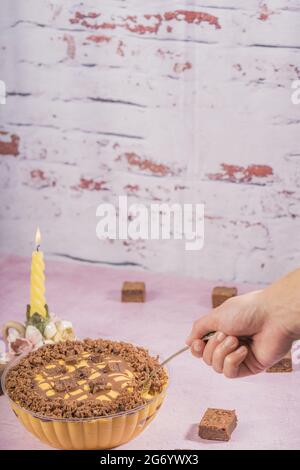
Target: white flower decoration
column 64, row 331
column 13, row 335
column 63, row 325
column 33, row 335
column 3, row 354
column 50, row 330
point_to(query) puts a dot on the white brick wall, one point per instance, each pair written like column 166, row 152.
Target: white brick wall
column 192, row 103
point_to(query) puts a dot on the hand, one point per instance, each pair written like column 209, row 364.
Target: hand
column 271, row 317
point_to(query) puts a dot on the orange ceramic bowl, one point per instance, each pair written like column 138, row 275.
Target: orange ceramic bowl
column 87, row 433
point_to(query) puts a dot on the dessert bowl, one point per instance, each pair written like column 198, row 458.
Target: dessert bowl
column 97, row 432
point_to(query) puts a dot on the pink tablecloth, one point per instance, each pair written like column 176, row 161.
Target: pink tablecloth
column 268, row 405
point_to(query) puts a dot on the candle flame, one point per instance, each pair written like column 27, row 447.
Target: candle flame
column 38, row 237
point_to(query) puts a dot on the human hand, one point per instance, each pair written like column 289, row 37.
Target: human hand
column 271, row 317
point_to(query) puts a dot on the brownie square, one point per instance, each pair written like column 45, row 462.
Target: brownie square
column 220, row 294
column 217, row 424
column 133, row 292
column 284, row 365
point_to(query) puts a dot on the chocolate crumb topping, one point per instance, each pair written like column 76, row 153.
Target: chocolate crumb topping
column 99, row 385
column 82, row 373
column 60, row 386
column 65, row 385
column 68, row 380
column 35, row 361
column 71, row 360
column 56, row 370
column 113, row 367
column 95, row 358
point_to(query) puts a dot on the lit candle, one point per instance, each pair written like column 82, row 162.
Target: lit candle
column 37, row 280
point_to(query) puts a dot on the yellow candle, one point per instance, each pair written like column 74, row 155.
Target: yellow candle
column 37, row 280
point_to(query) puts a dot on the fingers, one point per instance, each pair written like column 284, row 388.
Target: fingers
column 224, row 354
column 221, row 352
column 197, row 347
column 210, row 347
column 203, row 326
column 233, row 366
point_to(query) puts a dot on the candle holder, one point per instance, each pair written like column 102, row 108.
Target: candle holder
column 37, row 330
column 37, row 320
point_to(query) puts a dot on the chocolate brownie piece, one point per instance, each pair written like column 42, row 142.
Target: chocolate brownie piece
column 58, row 370
column 71, row 360
column 112, row 367
column 65, row 385
column 220, row 294
column 99, row 385
column 284, row 365
column 81, row 373
column 133, row 292
column 95, row 358
column 217, row 424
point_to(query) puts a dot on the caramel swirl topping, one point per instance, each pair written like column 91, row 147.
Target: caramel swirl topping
column 83, row 377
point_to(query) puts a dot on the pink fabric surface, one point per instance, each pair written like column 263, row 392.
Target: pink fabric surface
column 267, row 406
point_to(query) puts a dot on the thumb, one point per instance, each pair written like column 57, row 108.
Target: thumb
column 237, row 316
column 204, row 325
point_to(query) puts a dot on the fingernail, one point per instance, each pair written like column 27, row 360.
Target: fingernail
column 229, row 341
column 220, row 336
column 197, row 346
column 242, row 350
